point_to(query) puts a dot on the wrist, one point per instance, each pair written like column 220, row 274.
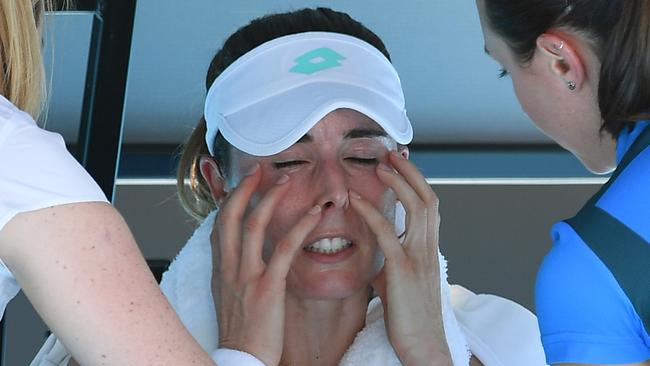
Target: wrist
column 429, row 354
column 433, row 358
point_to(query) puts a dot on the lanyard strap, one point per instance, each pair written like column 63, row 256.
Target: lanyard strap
column 641, row 142
column 625, row 253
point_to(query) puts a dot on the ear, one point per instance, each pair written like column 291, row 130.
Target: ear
column 212, row 175
column 404, row 151
column 564, row 57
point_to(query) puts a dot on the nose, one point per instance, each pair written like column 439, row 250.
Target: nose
column 332, row 185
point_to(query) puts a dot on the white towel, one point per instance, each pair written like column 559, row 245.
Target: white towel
column 499, row 331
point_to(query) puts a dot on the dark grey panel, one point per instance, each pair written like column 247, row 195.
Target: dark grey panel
column 495, row 237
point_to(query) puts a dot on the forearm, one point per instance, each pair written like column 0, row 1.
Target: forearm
column 434, row 353
column 431, row 350
column 79, row 265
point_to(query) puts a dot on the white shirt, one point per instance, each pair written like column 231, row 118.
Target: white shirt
column 36, row 171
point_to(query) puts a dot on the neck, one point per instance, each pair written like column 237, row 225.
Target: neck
column 319, row 332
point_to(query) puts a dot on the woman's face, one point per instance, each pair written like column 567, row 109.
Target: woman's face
column 340, row 257
column 534, row 97
column 570, row 118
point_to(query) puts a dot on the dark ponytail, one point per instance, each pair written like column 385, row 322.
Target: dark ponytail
column 618, row 31
column 624, row 86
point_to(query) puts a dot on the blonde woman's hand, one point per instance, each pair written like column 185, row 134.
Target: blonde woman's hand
column 249, row 293
column 409, row 282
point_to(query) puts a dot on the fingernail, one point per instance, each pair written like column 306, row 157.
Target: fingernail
column 385, row 167
column 314, row 210
column 252, row 169
column 355, row 195
column 283, row 179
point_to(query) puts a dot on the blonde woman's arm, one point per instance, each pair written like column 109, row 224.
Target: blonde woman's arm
column 80, row 267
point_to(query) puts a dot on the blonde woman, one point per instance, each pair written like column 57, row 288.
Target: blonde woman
column 60, row 240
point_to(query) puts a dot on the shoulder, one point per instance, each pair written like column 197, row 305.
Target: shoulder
column 628, row 198
column 583, row 312
column 493, row 324
column 12, row 120
column 37, row 169
column 571, row 274
column 20, row 136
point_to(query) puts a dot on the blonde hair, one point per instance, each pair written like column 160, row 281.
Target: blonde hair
column 22, row 75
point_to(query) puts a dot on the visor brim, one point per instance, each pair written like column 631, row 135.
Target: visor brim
column 272, row 125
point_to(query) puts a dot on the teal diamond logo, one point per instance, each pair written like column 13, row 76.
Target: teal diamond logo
column 317, row 60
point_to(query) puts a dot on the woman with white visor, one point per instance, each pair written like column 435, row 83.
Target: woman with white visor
column 305, row 255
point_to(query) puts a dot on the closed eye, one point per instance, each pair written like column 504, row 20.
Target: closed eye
column 288, row 164
column 363, row 161
column 502, row 73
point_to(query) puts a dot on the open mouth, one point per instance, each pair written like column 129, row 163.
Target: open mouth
column 329, row 245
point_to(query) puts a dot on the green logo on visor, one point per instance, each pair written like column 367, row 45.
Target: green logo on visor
column 317, row 60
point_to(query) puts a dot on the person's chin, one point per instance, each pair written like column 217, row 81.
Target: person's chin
column 331, row 284
column 597, row 167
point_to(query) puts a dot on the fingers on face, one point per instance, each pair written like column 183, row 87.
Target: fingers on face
column 254, row 228
column 418, row 198
column 229, row 222
column 383, row 229
column 287, row 248
column 415, row 209
column 415, row 179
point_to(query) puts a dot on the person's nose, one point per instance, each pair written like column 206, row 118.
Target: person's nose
column 333, row 187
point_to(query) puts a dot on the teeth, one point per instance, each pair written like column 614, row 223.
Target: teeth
column 329, row 246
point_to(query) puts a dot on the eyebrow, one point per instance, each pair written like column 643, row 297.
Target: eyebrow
column 364, row 132
column 356, row 133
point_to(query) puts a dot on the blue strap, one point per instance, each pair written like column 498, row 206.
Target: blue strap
column 623, row 251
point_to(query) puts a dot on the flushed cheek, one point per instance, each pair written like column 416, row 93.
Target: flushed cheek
column 292, row 207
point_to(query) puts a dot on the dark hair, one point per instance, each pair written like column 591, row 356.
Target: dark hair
column 619, row 32
column 195, row 195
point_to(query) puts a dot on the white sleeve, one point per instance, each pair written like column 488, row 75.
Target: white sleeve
column 231, row 357
column 36, row 170
column 52, row 353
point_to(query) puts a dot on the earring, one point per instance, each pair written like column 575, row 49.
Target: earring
column 571, row 85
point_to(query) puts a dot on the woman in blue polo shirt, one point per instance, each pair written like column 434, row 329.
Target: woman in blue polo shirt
column 581, row 71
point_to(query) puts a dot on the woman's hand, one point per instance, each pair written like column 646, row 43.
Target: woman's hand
column 409, row 282
column 249, row 293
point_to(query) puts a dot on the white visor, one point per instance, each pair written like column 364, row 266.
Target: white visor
column 273, row 95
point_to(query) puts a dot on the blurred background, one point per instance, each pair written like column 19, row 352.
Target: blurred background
column 127, row 84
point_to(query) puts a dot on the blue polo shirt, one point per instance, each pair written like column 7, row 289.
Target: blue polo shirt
column 590, row 304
